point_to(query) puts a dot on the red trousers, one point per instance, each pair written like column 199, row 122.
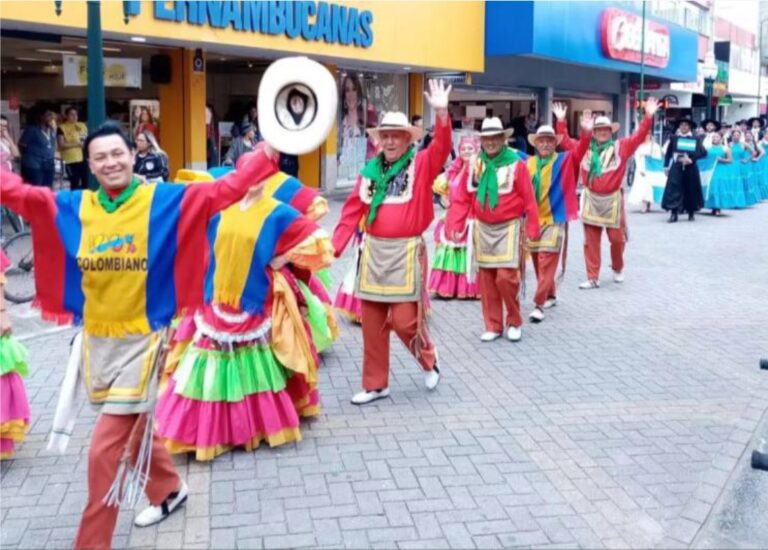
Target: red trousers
column 110, row 436
column 378, row 320
column 545, row 266
column 499, row 287
column 592, row 237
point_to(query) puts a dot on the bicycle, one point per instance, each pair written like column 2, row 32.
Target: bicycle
column 20, row 275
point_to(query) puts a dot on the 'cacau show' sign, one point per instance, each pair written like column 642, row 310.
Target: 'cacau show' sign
column 312, row 21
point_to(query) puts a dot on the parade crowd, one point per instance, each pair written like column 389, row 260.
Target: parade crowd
column 212, row 340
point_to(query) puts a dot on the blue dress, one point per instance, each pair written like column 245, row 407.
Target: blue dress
column 726, row 188
column 763, row 162
column 749, row 178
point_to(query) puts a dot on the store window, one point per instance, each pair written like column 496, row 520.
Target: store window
column 364, row 98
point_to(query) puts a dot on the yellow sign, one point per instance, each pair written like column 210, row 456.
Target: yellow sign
column 118, row 72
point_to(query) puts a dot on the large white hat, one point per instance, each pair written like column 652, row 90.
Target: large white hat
column 395, row 120
column 493, row 127
column 605, row 122
column 544, row 131
column 297, row 105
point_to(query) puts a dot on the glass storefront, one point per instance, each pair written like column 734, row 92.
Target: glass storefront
column 365, row 96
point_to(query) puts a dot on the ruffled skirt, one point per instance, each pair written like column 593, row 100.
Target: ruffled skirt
column 14, row 407
column 726, row 188
column 448, row 276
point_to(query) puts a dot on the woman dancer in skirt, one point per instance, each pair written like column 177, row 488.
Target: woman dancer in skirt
column 762, row 145
column 748, row 170
column 14, row 407
column 448, row 278
column 251, row 370
column 641, row 192
column 725, row 187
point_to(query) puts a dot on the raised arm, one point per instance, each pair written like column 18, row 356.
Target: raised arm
column 631, row 143
column 227, row 190
column 438, row 150
column 34, row 203
column 561, row 127
column 351, row 214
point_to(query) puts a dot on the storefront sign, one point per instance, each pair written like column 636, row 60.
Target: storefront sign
column 312, row 21
column 119, row 72
column 725, row 100
column 622, row 38
column 721, row 80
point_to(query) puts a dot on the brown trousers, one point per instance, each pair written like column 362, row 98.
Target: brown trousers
column 545, row 266
column 499, row 287
column 592, row 237
column 110, row 436
column 378, row 320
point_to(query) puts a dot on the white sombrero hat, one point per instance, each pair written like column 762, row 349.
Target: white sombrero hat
column 297, row 105
column 395, row 120
column 493, row 127
column 605, row 122
column 544, row 131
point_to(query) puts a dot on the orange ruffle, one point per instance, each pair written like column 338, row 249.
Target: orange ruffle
column 288, row 435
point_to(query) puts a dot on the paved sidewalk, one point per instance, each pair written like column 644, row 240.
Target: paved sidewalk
column 615, row 423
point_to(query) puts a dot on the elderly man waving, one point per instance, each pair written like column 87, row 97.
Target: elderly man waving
column 393, row 198
column 499, row 194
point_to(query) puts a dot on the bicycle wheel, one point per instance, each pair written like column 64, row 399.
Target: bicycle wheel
column 20, row 275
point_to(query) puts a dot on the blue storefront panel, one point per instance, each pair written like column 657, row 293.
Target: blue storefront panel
column 572, row 32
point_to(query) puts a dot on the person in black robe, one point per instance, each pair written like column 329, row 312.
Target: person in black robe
column 683, row 192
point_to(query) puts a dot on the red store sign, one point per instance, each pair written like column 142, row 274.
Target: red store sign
column 621, row 34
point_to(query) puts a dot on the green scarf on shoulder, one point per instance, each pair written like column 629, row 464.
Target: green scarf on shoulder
column 540, row 165
column 374, row 171
column 111, row 205
column 595, row 162
column 488, row 188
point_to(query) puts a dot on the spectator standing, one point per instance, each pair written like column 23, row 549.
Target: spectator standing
column 71, row 136
column 244, row 143
column 150, row 162
column 9, row 152
column 38, row 150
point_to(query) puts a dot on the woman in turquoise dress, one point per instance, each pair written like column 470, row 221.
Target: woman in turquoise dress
column 763, row 160
column 725, row 187
column 748, row 170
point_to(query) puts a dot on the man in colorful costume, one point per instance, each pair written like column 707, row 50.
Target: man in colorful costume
column 554, row 185
column 123, row 261
column 394, row 195
column 500, row 196
column 602, row 171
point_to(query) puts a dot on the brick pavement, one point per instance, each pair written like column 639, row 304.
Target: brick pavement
column 616, row 423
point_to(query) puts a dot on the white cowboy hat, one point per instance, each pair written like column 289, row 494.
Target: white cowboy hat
column 544, row 131
column 605, row 122
column 395, row 120
column 493, row 127
column 297, row 105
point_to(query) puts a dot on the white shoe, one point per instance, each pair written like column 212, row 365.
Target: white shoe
column 432, row 378
column 537, row 315
column 618, row 276
column 489, row 336
column 156, row 514
column 549, row 303
column 367, row 396
column 514, row 334
column 586, row 285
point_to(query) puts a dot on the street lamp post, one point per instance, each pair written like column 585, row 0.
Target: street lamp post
column 709, row 71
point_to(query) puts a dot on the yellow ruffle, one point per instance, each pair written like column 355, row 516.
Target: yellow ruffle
column 116, row 329
column 14, row 429
column 317, row 209
column 313, row 253
column 289, row 338
column 440, row 185
column 288, row 435
column 333, row 326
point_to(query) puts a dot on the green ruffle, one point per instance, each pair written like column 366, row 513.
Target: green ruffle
column 450, row 259
column 318, row 320
column 325, row 277
column 210, row 375
column 13, row 356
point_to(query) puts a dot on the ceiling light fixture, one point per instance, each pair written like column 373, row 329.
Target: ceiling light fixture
column 39, row 59
column 62, row 52
column 105, row 48
column 138, row 39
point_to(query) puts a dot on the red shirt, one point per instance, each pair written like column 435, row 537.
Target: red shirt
column 612, row 177
column 394, row 219
column 518, row 202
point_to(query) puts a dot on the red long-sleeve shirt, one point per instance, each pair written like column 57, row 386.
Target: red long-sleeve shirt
column 611, row 179
column 518, row 202
column 396, row 220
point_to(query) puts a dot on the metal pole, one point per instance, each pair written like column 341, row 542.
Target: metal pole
column 759, row 67
column 95, row 63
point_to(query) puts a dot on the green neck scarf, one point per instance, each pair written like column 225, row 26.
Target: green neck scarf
column 111, row 205
column 374, row 171
column 595, row 162
column 488, row 188
column 540, row 165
